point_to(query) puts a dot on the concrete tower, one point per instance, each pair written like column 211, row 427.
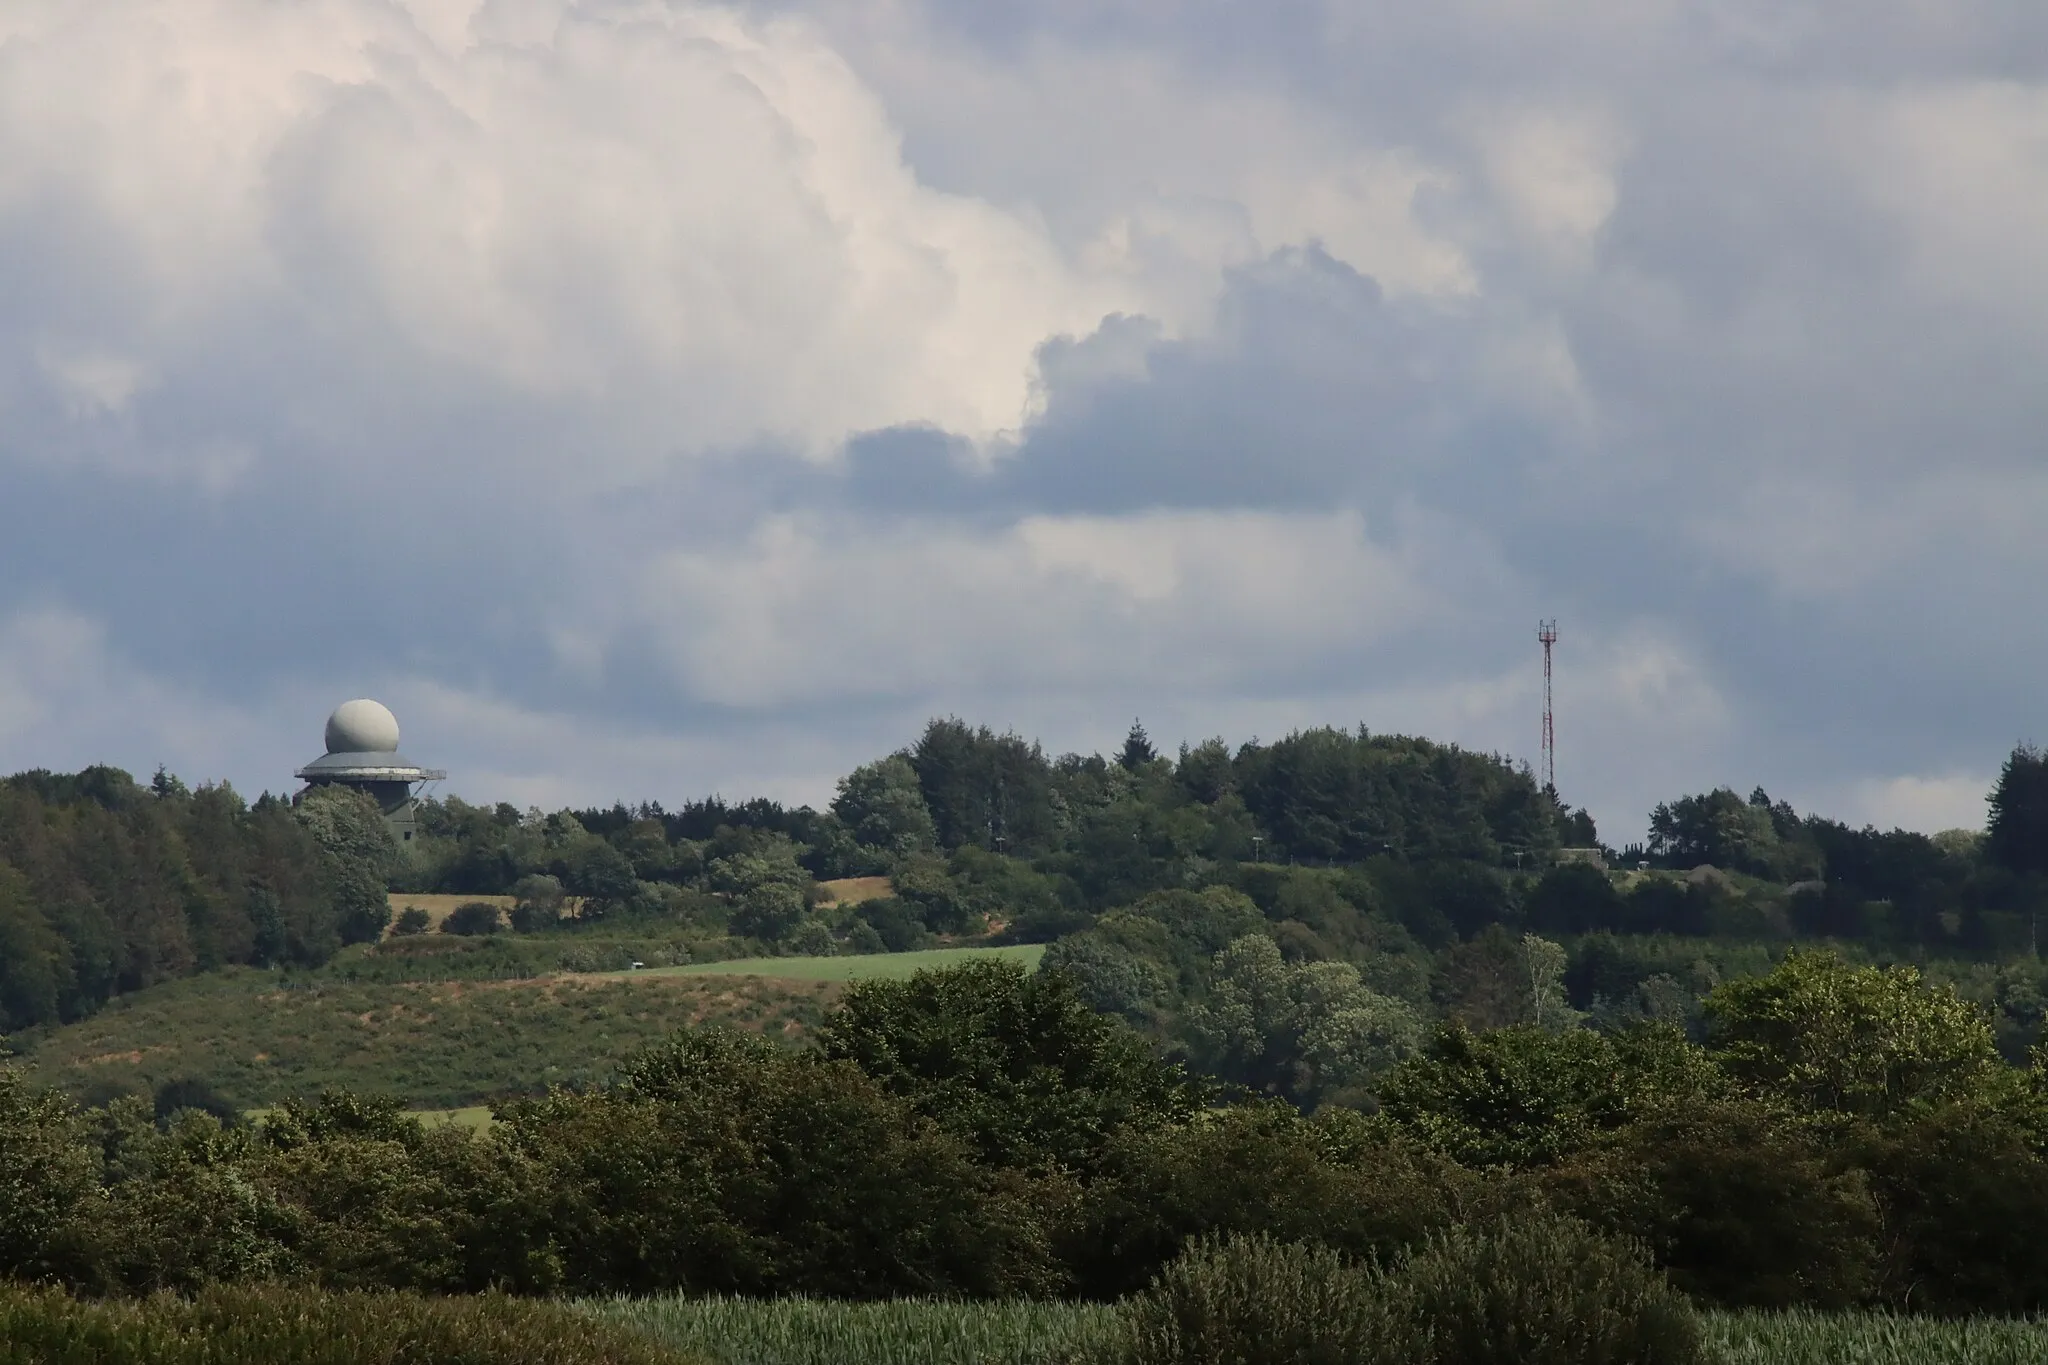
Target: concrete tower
column 362, row 752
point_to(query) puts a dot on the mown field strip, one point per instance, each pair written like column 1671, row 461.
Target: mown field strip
column 866, row 967
column 906, row 1332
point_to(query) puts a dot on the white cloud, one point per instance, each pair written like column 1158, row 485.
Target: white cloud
column 694, row 229
column 1928, row 804
column 810, row 608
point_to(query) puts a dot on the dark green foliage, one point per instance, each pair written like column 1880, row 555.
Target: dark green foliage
column 722, row 1163
column 1743, row 1207
column 1329, row 796
column 1335, row 1180
column 1525, row 1097
column 188, row 1092
column 1542, row 1290
column 298, row 1326
column 1137, row 750
column 1108, row 977
column 1574, row 898
column 411, row 920
column 600, row 874
column 883, row 807
column 896, row 922
column 770, row 911
column 982, row 788
column 472, row 918
column 2017, row 838
column 1256, row 1301
column 46, row 1173
column 1018, row 1065
column 106, row 888
column 358, row 857
column 1964, row 1195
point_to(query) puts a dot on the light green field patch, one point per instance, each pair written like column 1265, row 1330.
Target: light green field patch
column 866, row 967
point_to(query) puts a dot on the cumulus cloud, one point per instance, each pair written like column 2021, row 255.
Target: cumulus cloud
column 637, row 391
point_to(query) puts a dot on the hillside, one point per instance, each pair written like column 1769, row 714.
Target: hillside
column 260, row 1038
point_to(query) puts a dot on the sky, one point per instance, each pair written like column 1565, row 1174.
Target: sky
column 648, row 400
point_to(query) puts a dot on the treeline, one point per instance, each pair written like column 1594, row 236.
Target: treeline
column 1844, row 1136
column 108, row 886
column 1353, row 847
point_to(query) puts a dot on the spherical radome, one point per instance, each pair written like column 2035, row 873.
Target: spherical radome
column 362, row 726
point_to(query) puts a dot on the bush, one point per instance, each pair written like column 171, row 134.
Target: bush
column 473, row 917
column 298, row 1326
column 1255, row 1301
column 723, row 1163
column 1543, row 1290
column 1337, row 1181
column 411, row 920
column 45, row 1174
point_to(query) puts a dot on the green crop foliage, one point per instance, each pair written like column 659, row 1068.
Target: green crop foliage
column 895, row 1332
column 299, row 1326
column 1804, row 1337
column 906, row 1332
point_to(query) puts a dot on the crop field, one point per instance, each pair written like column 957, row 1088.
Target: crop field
column 854, row 890
column 817, row 1332
column 261, row 1037
column 899, row 1332
column 865, row 967
column 1809, row 1338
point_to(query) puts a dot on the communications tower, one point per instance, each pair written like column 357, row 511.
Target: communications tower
column 1546, row 631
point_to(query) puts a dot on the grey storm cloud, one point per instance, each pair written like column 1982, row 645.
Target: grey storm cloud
column 654, row 398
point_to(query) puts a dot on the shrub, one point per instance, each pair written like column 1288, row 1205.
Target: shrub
column 723, row 1163
column 411, row 920
column 536, row 903
column 45, row 1173
column 1337, row 1180
column 1742, row 1207
column 1014, row 1063
column 473, row 917
column 1256, row 1301
column 298, row 1326
column 1543, row 1290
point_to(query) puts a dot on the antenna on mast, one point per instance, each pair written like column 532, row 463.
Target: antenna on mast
column 1546, row 631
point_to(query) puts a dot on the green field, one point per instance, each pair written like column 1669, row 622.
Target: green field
column 867, row 967
column 261, row 1037
column 815, row 1332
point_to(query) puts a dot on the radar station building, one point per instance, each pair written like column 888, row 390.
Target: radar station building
column 362, row 752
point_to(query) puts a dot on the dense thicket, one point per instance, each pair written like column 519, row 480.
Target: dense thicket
column 108, row 886
column 1845, row 1135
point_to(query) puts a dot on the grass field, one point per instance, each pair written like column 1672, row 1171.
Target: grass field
column 815, row 1332
column 866, row 967
column 261, row 1037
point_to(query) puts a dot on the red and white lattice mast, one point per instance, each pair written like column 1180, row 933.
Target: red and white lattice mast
column 1546, row 631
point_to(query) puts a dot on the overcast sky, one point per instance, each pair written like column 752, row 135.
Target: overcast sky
column 648, row 400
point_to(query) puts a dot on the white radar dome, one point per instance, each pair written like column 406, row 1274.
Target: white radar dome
column 362, row 727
